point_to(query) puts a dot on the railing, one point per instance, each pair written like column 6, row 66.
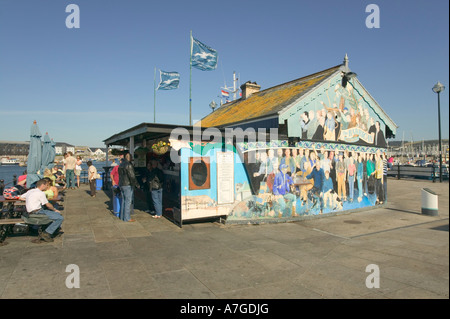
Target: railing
column 83, row 180
column 430, row 173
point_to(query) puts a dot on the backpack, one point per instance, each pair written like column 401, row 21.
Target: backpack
column 13, row 192
column 155, row 183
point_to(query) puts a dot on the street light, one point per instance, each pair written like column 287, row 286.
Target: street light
column 213, row 105
column 438, row 88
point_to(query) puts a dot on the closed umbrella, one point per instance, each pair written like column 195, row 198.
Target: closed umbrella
column 34, row 155
column 48, row 153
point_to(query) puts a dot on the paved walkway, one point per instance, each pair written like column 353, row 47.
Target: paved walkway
column 320, row 258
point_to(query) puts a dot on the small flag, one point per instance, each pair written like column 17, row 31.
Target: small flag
column 168, row 80
column 203, row 57
column 225, row 94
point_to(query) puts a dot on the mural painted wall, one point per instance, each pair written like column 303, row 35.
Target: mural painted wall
column 336, row 113
column 276, row 181
column 310, row 178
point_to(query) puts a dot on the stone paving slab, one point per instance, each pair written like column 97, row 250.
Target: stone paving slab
column 323, row 258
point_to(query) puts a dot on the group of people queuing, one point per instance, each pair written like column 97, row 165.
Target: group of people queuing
column 124, row 182
column 72, row 172
column 320, row 178
column 72, row 169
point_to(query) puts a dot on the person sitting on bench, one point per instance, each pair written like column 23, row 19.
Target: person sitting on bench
column 35, row 199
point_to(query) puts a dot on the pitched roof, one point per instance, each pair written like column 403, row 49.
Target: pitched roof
column 266, row 102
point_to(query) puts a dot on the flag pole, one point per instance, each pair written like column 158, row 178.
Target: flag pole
column 154, row 97
column 190, row 81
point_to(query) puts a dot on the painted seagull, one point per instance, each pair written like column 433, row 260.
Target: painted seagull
column 204, row 55
column 169, row 81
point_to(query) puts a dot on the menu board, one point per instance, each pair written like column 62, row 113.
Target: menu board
column 225, row 178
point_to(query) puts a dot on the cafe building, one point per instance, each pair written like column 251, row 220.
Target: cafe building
column 308, row 147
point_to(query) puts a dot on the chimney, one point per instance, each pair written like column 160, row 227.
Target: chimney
column 248, row 88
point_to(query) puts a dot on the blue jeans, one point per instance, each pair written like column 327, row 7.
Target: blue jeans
column 351, row 186
column 70, row 178
column 360, row 186
column 56, row 218
column 157, row 201
column 127, row 202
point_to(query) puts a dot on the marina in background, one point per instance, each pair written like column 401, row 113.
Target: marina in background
column 7, row 172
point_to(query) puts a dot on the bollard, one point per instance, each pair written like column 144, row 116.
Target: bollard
column 99, row 183
column 429, row 202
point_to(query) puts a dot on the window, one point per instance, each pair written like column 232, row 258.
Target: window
column 199, row 173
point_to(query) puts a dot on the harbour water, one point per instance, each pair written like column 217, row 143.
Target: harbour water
column 7, row 172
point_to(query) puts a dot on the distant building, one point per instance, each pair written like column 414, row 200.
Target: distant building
column 14, row 149
column 61, row 148
column 99, row 153
column 10, row 148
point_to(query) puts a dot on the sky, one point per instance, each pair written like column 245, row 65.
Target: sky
column 83, row 85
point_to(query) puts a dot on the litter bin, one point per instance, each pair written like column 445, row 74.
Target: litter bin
column 99, row 182
column 429, row 202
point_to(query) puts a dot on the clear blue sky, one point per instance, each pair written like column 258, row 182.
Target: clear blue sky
column 84, row 85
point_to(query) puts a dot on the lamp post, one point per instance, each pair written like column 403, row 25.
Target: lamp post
column 438, row 88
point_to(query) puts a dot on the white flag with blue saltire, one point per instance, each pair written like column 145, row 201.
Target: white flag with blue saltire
column 202, row 56
column 168, row 80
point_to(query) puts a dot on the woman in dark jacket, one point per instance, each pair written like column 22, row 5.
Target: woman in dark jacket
column 155, row 180
column 127, row 183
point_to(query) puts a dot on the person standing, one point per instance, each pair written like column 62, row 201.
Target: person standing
column 127, row 182
column 341, row 174
column 351, row 170
column 379, row 178
column 370, row 170
column 92, row 178
column 360, row 177
column 317, row 191
column 155, row 180
column 304, row 125
column 116, row 196
column 35, row 199
column 385, row 171
column 70, row 164
column 78, row 170
column 148, row 192
column 327, row 191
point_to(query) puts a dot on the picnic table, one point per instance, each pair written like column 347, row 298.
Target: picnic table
column 11, row 214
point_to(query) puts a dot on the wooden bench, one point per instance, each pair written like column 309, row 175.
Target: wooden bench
column 11, row 221
column 13, row 208
column 7, row 224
